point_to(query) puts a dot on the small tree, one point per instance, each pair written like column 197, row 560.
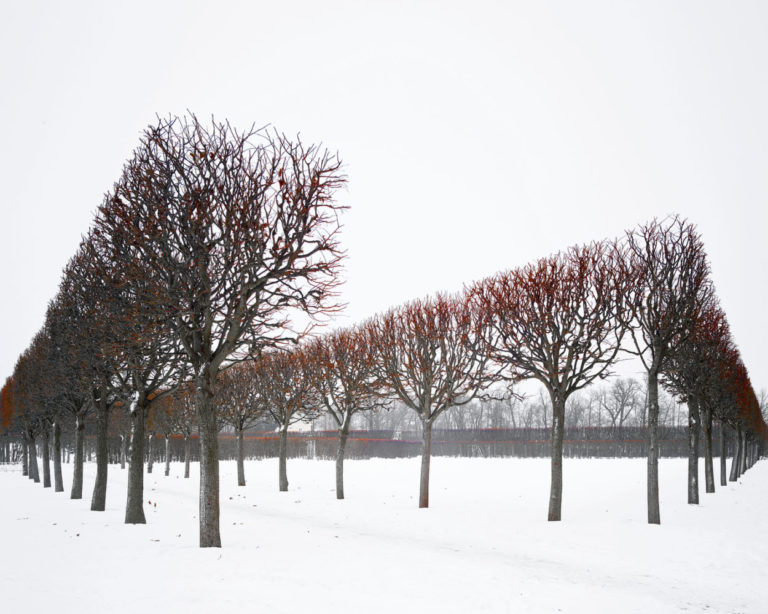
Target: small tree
column 165, row 420
column 621, row 400
column 339, row 368
column 182, row 418
column 239, row 406
column 428, row 354
column 285, row 392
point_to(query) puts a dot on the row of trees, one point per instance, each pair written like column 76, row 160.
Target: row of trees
column 213, row 241
column 605, row 420
column 197, row 257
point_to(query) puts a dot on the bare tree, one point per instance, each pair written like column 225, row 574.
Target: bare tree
column 233, row 229
column 87, row 295
column 339, row 368
column 68, row 374
column 690, row 370
column 557, row 321
column 150, row 355
column 668, row 265
column 239, row 406
column 285, row 392
column 185, row 419
column 429, row 355
column 621, row 400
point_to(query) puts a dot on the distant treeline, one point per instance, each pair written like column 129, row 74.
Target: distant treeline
column 579, row 442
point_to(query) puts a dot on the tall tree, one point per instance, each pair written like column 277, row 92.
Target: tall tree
column 86, row 294
column 668, row 265
column 234, row 229
column 69, row 374
column 692, row 370
column 142, row 343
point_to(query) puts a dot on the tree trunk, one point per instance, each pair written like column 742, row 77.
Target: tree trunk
column 740, row 457
column 186, row 456
column 123, row 452
column 150, row 452
column 167, row 455
column 723, row 456
column 134, row 506
column 744, row 451
column 240, row 458
column 745, row 463
column 34, row 473
column 556, row 460
column 210, row 536
column 283, row 452
column 58, row 482
column 693, row 452
column 709, row 469
column 46, row 459
column 25, row 457
column 77, row 474
column 426, row 457
column 654, row 513
column 99, row 498
column 343, row 435
column 736, row 451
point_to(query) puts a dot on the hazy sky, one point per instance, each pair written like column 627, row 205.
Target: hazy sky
column 477, row 136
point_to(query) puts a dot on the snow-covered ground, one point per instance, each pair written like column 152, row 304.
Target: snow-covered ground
column 483, row 546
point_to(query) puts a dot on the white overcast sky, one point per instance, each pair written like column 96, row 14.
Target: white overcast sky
column 477, row 136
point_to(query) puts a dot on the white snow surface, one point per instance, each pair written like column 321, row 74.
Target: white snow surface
column 484, row 545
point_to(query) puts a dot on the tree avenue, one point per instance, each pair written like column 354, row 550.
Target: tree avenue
column 177, row 317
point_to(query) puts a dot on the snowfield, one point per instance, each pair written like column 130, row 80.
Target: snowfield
column 483, row 546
